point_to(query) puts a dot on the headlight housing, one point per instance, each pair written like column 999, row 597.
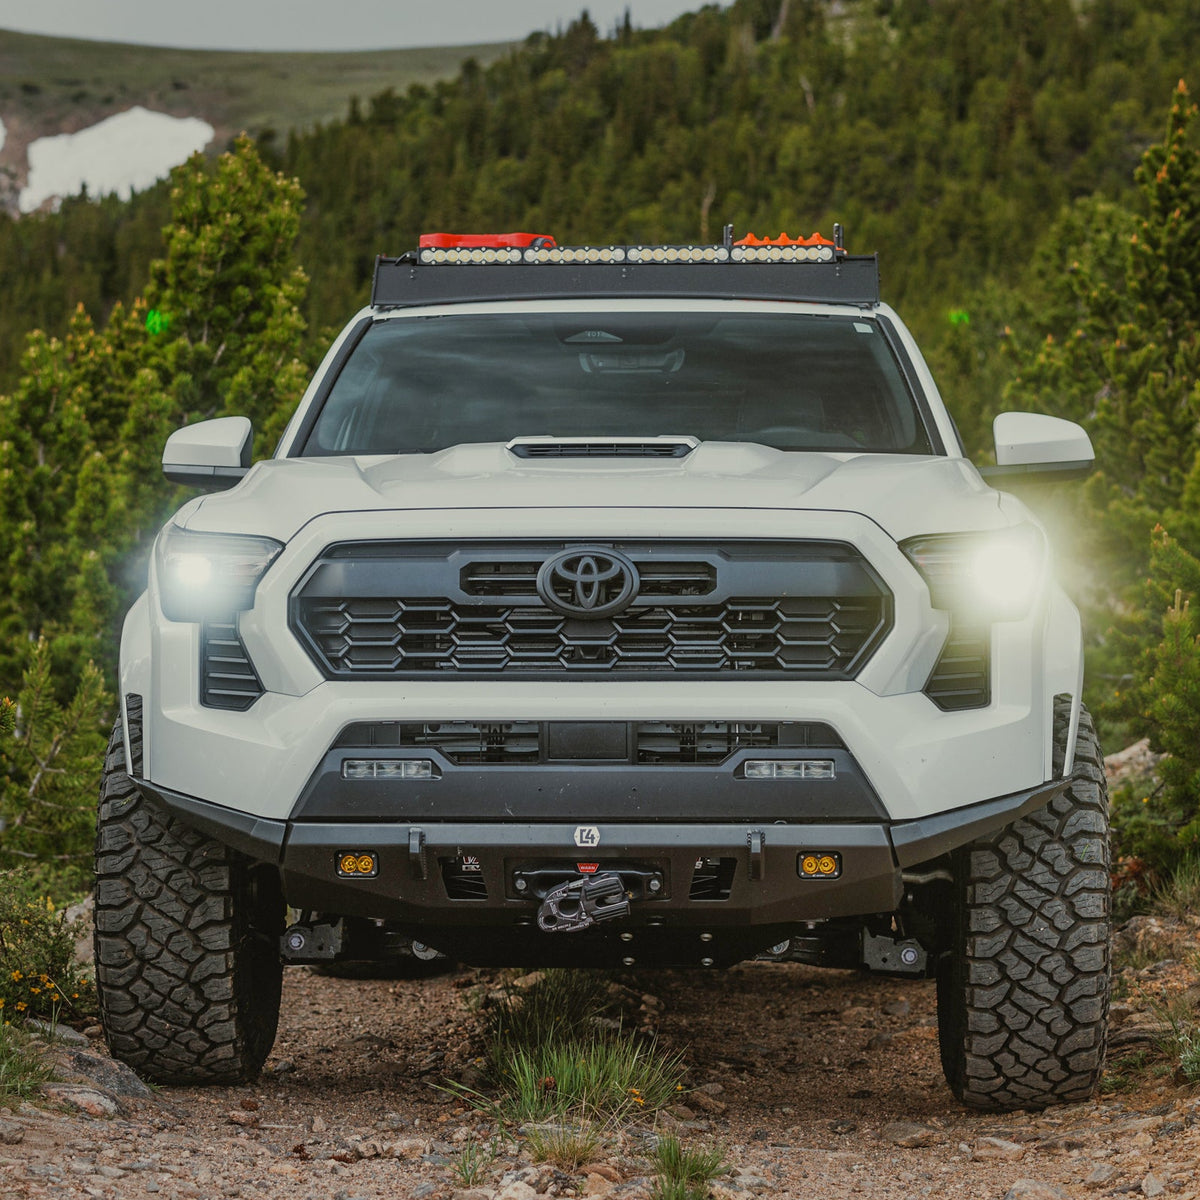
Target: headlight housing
column 209, row 576
column 992, row 576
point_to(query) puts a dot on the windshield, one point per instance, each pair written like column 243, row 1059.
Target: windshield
column 793, row 381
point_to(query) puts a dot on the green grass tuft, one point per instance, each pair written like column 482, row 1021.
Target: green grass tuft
column 609, row 1078
column 472, row 1163
column 684, row 1172
column 568, row 1147
column 21, row 1070
column 560, row 1005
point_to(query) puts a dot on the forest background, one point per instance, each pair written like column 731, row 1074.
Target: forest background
column 1026, row 169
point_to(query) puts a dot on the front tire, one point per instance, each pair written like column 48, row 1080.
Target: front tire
column 1023, row 994
column 187, row 942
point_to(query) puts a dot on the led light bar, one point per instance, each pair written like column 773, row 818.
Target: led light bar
column 586, row 255
column 790, row 768
column 388, row 768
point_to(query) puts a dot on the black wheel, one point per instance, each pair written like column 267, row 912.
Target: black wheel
column 1023, row 994
column 187, row 942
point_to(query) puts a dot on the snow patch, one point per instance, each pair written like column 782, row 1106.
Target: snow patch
column 121, row 154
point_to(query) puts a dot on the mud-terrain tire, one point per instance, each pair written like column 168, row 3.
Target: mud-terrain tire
column 1023, row 994
column 187, row 942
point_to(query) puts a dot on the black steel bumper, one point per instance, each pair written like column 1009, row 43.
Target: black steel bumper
column 421, row 881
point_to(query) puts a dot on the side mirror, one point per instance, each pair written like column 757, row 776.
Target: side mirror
column 210, row 454
column 1035, row 448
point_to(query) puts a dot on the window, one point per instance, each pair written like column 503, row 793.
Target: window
column 793, row 381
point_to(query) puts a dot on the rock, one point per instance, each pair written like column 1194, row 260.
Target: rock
column 427, row 1189
column 597, row 1185
column 517, row 1190
column 11, row 1133
column 1062, row 1143
column 753, row 1183
column 112, row 1076
column 524, row 982
column 856, row 1015
column 83, row 1099
column 94, row 1032
column 48, row 1032
column 1152, row 1185
column 910, row 1135
column 422, row 1190
column 994, row 1147
column 409, row 1147
column 1035, row 1189
column 604, row 1170
column 1134, row 762
column 1100, row 1175
column 707, row 1103
column 81, row 917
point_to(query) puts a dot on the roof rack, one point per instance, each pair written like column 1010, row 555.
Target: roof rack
column 465, row 268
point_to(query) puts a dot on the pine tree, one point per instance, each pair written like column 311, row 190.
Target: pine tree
column 48, row 774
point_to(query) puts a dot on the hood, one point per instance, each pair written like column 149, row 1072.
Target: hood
column 904, row 494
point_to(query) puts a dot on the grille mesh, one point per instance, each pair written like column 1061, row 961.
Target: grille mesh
column 800, row 635
column 799, row 610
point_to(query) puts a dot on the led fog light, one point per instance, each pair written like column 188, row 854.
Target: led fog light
column 357, row 864
column 388, row 768
column 790, row 768
column 819, row 864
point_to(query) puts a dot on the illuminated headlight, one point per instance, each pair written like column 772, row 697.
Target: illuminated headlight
column 207, row 576
column 994, row 575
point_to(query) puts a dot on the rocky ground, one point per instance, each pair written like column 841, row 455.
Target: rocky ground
column 815, row 1083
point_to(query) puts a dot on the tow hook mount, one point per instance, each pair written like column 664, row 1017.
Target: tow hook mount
column 580, row 903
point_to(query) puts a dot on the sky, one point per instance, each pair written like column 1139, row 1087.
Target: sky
column 320, row 24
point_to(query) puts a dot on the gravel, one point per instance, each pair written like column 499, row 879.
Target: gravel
column 781, row 1070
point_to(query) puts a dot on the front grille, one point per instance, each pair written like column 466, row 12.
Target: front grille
column 654, row 743
column 227, row 676
column 793, row 609
column 962, row 677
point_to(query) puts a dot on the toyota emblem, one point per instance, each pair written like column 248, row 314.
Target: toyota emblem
column 588, row 581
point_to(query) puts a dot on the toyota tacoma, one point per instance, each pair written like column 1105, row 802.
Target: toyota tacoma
column 602, row 606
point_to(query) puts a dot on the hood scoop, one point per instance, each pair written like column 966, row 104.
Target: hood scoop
column 666, row 446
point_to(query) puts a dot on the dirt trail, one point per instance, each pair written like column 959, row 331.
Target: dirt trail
column 817, row 1083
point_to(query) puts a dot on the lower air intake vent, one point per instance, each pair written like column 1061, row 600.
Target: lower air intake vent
column 655, row 743
column 463, row 878
column 962, row 677
column 227, row 676
column 712, row 878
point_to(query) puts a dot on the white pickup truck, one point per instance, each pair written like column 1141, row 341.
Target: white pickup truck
column 610, row 605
